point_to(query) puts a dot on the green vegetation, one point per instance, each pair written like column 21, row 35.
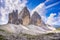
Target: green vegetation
column 2, row 37
column 58, row 28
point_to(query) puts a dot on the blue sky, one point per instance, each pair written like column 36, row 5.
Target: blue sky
column 52, row 14
column 55, row 9
column 33, row 3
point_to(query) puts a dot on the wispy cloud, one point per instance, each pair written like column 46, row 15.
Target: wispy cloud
column 51, row 20
column 41, row 9
column 57, row 22
column 15, row 4
column 10, row 5
column 52, row 5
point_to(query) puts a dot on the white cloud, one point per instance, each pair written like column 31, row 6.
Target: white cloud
column 3, row 17
column 41, row 9
column 51, row 20
column 11, row 5
column 15, row 4
column 57, row 20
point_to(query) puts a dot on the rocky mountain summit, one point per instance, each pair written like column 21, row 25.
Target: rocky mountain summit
column 22, row 26
column 24, row 15
column 36, row 19
column 13, row 17
column 24, row 18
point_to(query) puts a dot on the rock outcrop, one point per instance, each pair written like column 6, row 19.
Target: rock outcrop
column 24, row 19
column 24, row 16
column 36, row 19
column 13, row 17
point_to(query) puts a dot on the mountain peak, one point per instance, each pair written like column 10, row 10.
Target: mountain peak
column 36, row 19
column 36, row 15
column 24, row 12
column 24, row 15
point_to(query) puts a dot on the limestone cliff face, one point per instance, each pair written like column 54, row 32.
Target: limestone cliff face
column 24, row 16
column 24, row 19
column 36, row 19
column 13, row 17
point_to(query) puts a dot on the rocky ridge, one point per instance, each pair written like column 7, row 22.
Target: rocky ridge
column 23, row 27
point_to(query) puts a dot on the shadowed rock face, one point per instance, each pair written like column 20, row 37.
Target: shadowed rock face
column 13, row 17
column 36, row 19
column 24, row 15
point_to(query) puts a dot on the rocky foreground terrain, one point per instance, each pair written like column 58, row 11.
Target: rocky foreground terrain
column 19, row 32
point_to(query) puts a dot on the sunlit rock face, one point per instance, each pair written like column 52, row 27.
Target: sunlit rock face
column 24, row 16
column 13, row 17
column 36, row 19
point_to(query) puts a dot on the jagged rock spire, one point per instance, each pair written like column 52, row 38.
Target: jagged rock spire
column 24, row 16
column 13, row 17
column 36, row 19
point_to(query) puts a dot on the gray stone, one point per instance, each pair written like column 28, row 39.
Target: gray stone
column 36, row 19
column 13, row 17
column 24, row 16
